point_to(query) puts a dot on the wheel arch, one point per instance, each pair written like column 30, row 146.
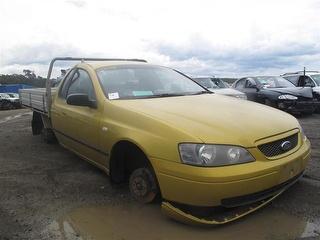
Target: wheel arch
column 120, row 165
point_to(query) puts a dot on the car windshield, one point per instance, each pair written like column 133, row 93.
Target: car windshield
column 316, row 78
column 138, row 81
column 274, row 82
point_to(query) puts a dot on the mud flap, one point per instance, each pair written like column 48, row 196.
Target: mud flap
column 216, row 219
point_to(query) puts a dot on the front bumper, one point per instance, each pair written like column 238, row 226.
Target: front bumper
column 245, row 186
column 222, row 215
column 298, row 106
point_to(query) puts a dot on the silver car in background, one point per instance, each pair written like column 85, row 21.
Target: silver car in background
column 218, row 86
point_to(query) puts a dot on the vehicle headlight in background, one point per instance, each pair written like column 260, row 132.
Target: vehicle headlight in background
column 211, row 155
column 287, row 97
column 240, row 96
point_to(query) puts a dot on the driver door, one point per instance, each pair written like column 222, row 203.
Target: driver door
column 78, row 127
column 251, row 90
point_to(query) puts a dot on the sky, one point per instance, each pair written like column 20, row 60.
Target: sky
column 226, row 38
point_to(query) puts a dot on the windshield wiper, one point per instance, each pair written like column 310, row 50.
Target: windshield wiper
column 165, row 95
column 201, row 92
column 160, row 95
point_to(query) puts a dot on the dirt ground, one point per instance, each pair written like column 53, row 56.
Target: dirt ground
column 46, row 192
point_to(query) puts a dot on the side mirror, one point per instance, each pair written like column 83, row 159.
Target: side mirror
column 254, row 86
column 308, row 85
column 80, row 99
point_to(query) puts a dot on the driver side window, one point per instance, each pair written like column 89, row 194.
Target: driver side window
column 81, row 83
column 305, row 81
column 241, row 83
column 250, row 83
column 309, row 82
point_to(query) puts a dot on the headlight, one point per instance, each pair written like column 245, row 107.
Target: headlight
column 303, row 135
column 213, row 155
column 241, row 96
column 287, row 97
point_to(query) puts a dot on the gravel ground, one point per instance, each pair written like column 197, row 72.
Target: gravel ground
column 39, row 183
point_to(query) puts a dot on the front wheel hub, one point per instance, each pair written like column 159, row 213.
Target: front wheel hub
column 142, row 184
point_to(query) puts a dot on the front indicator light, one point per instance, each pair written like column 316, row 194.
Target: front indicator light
column 213, row 155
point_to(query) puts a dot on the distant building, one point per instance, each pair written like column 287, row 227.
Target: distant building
column 13, row 88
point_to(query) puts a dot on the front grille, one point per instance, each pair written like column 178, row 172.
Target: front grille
column 274, row 148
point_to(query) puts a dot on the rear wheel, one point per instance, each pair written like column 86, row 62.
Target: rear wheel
column 143, row 185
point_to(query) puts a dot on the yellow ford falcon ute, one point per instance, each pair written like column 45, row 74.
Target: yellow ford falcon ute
column 210, row 158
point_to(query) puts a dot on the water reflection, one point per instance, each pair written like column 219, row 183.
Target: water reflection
column 135, row 221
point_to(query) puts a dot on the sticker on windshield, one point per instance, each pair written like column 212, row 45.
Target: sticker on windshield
column 114, row 95
column 142, row 93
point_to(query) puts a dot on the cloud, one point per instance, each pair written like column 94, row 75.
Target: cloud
column 226, row 38
column 37, row 53
column 77, row 3
column 36, row 57
column 256, row 59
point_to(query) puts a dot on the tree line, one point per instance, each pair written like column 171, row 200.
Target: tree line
column 28, row 77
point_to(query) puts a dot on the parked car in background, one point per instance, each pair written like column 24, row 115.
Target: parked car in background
column 278, row 92
column 306, row 79
column 218, row 86
column 9, row 101
column 13, row 95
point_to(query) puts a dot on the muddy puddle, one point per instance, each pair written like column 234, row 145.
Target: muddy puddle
column 135, row 221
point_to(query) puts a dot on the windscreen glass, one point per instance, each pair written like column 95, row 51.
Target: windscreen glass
column 206, row 82
column 139, row 81
column 274, row 82
column 316, row 78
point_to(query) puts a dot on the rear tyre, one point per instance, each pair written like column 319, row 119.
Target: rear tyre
column 143, row 185
column 48, row 136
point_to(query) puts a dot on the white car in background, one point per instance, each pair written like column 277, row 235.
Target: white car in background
column 12, row 97
column 9, row 101
column 305, row 79
column 218, row 86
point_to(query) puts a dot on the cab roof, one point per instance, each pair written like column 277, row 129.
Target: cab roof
column 101, row 64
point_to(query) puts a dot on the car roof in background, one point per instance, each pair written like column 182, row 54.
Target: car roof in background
column 300, row 73
column 261, row 76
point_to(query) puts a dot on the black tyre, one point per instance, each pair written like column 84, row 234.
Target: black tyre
column 143, row 185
